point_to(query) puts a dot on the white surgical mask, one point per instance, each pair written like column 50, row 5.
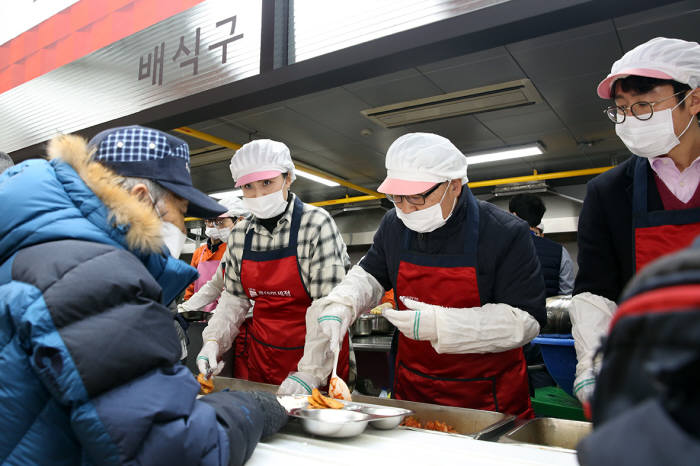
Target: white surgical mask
column 426, row 220
column 652, row 137
column 173, row 238
column 220, row 234
column 267, row 206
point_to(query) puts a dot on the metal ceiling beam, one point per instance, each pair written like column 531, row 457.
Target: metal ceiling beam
column 300, row 166
column 540, row 176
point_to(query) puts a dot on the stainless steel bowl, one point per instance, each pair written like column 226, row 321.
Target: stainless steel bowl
column 381, row 325
column 390, row 417
column 338, row 423
column 363, row 325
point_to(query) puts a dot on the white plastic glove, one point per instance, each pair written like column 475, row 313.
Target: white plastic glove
column 207, row 359
column 298, row 383
column 228, row 316
column 357, row 292
column 417, row 323
column 491, row 328
column 590, row 318
column 334, row 321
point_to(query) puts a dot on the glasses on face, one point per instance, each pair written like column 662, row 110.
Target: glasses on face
column 641, row 110
column 218, row 222
column 415, row 199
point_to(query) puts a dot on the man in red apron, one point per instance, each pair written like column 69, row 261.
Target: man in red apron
column 466, row 278
column 649, row 205
column 282, row 258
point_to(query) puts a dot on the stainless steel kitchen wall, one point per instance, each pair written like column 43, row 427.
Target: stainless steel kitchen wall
column 214, row 43
column 318, row 27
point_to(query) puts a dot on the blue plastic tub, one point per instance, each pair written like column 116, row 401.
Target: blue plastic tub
column 560, row 358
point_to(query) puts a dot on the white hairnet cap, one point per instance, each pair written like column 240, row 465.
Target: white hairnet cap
column 235, row 207
column 416, row 161
column 660, row 58
column 261, row 159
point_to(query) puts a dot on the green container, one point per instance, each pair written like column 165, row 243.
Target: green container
column 555, row 402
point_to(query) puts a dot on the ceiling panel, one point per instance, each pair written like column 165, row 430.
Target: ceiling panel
column 575, row 99
column 395, row 87
column 521, row 121
column 567, row 54
column 339, row 110
column 680, row 20
column 474, row 70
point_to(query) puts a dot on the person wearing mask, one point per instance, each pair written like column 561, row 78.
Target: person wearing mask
column 207, row 257
column 5, row 162
column 283, row 257
column 461, row 338
column 88, row 261
column 649, row 205
column 555, row 261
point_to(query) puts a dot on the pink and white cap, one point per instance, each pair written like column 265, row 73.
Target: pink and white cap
column 415, row 162
column 261, row 159
column 660, row 58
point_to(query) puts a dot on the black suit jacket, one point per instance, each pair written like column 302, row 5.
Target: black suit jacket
column 605, row 232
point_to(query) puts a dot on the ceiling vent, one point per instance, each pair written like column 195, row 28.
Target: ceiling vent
column 481, row 99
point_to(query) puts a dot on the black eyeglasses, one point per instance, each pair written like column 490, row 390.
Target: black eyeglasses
column 219, row 222
column 415, row 199
column 641, row 110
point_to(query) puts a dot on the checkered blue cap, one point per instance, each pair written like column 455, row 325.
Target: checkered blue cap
column 148, row 153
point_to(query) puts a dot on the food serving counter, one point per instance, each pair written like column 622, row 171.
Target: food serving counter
column 293, row 445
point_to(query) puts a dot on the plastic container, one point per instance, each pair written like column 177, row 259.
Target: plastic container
column 560, row 358
column 555, row 402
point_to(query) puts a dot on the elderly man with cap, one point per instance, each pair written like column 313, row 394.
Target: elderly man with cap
column 283, row 257
column 90, row 370
column 467, row 282
column 5, row 162
column 649, row 205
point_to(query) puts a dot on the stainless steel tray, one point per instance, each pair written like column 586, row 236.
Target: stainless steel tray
column 483, row 425
column 549, row 432
column 479, row 424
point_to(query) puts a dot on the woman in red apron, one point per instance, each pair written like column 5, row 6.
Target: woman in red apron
column 278, row 329
column 282, row 258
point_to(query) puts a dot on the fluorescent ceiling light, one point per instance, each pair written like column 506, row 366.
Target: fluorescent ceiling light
column 505, row 154
column 223, row 194
column 317, row 179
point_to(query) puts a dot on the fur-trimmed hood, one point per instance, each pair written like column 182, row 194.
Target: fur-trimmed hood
column 139, row 217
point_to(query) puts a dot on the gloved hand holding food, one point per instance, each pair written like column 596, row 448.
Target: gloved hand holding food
column 207, row 359
column 298, row 383
column 334, row 321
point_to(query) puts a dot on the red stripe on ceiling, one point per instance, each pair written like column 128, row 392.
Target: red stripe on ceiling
column 77, row 31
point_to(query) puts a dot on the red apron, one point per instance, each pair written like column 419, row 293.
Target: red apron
column 240, row 351
column 206, row 270
column 278, row 328
column 660, row 232
column 493, row 381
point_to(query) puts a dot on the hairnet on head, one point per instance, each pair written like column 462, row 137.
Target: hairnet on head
column 660, row 58
column 415, row 162
column 261, row 159
column 235, row 207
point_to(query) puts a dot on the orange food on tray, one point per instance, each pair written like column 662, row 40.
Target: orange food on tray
column 207, row 386
column 318, row 401
column 439, row 426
